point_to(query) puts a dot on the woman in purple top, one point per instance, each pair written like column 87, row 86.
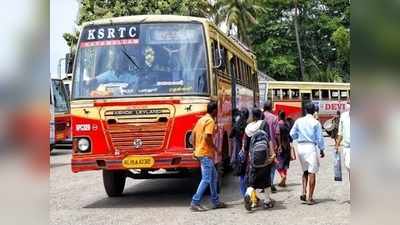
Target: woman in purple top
column 284, row 148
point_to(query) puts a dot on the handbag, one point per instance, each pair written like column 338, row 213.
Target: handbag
column 337, row 166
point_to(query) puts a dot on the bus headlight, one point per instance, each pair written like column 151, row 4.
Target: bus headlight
column 83, row 144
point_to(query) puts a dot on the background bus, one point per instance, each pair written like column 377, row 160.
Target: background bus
column 289, row 96
column 60, row 121
column 140, row 84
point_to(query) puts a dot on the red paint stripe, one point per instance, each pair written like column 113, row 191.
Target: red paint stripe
column 145, row 102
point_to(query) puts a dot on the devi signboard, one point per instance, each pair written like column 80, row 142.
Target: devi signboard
column 330, row 107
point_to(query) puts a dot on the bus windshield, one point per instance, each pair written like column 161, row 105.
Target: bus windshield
column 59, row 96
column 122, row 60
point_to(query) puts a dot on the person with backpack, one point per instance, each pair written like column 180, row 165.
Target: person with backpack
column 258, row 150
column 285, row 149
column 237, row 162
column 307, row 132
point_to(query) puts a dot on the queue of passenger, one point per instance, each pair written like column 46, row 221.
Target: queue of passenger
column 262, row 145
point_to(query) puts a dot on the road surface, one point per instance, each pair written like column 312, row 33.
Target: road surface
column 80, row 199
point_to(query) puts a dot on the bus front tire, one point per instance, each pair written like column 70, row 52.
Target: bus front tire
column 114, row 182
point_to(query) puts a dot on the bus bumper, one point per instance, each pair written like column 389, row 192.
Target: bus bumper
column 111, row 162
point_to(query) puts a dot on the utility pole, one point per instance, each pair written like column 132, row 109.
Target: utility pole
column 298, row 39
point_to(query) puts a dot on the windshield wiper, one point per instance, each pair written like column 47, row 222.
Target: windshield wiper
column 125, row 51
column 129, row 57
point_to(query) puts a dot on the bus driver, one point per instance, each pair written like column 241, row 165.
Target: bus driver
column 117, row 72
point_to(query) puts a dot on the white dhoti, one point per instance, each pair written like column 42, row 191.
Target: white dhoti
column 308, row 157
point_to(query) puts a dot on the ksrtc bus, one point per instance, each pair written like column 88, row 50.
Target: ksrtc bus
column 140, row 84
column 60, row 121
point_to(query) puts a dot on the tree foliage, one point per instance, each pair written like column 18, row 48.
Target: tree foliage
column 240, row 13
column 266, row 25
column 324, row 39
column 96, row 9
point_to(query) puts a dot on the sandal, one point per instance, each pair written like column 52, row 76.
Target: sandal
column 268, row 205
column 247, row 202
column 310, row 202
column 303, row 198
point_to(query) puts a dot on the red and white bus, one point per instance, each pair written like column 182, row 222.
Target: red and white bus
column 289, row 96
column 140, row 84
column 60, row 121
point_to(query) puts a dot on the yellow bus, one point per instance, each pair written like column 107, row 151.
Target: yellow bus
column 289, row 96
column 140, row 83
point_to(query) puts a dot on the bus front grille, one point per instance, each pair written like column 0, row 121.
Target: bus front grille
column 137, row 137
column 136, row 132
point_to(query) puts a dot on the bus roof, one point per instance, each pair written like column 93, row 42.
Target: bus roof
column 170, row 18
column 305, row 84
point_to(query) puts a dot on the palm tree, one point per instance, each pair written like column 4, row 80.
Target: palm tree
column 296, row 28
column 239, row 13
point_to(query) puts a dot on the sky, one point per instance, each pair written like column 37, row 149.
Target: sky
column 63, row 14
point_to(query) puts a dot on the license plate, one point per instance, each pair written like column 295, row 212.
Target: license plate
column 137, row 162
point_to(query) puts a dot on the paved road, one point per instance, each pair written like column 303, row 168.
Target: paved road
column 80, row 199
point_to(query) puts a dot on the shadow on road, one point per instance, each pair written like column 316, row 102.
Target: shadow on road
column 55, row 165
column 278, row 205
column 161, row 193
column 321, row 201
column 293, row 184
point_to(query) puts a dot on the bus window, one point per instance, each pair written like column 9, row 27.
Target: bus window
column 305, row 96
column 295, row 93
column 241, row 69
column 251, row 80
column 245, row 77
column 276, row 93
column 315, row 94
column 213, row 53
column 324, row 94
column 343, row 94
column 334, row 94
column 285, row 94
column 250, row 77
column 240, row 73
column 224, row 53
column 238, row 76
column 245, row 81
column 233, row 67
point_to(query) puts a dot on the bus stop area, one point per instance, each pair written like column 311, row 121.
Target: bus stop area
column 80, row 199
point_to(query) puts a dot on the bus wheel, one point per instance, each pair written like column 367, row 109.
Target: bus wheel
column 114, row 182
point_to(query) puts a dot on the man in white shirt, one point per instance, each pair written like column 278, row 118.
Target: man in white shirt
column 344, row 136
column 307, row 132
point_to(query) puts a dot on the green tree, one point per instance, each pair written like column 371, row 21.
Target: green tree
column 241, row 13
column 324, row 56
column 96, row 9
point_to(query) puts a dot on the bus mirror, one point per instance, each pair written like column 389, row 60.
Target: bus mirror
column 69, row 62
column 220, row 59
